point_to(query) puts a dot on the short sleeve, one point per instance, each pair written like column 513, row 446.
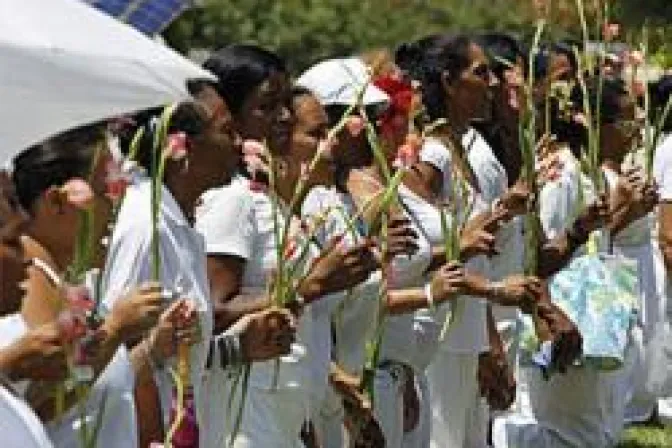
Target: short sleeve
column 128, row 263
column 436, row 154
column 226, row 220
column 662, row 168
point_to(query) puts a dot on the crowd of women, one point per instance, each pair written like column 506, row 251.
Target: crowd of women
column 391, row 310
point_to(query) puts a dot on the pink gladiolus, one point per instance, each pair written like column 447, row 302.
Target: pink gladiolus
column 610, row 31
column 290, row 250
column 116, row 181
column 355, row 125
column 72, row 326
column 258, row 187
column 176, row 148
column 253, row 148
column 78, row 298
column 406, row 155
column 78, row 192
column 636, row 58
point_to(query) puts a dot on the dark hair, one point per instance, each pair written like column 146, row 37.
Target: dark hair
column 608, row 99
column 428, row 59
column 188, row 117
column 503, row 50
column 542, row 59
column 240, row 69
column 55, row 161
column 661, row 92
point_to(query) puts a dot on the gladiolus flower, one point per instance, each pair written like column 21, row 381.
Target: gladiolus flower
column 355, row 125
column 71, row 326
column 290, row 250
column 257, row 186
column 407, row 155
column 610, row 31
column 176, row 148
column 253, row 147
column 116, row 181
column 78, row 192
column 79, row 298
column 636, row 58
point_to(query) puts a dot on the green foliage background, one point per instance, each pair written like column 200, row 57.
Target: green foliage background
column 304, row 31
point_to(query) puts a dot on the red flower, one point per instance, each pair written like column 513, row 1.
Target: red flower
column 401, row 95
column 290, row 250
column 177, row 145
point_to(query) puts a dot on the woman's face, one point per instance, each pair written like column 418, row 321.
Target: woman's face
column 310, row 130
column 471, row 91
column 13, row 220
column 216, row 154
column 266, row 115
column 617, row 138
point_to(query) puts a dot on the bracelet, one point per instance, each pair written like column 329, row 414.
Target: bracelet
column 496, row 289
column 428, row 294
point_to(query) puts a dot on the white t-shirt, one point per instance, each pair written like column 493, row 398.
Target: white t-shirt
column 182, row 267
column 662, row 168
column 117, row 408
column 354, row 317
column 19, row 426
column 400, row 342
column 18, row 423
column 237, row 221
column 468, row 333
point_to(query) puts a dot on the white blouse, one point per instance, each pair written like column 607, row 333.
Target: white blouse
column 183, row 268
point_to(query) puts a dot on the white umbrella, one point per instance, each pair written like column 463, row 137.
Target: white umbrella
column 64, row 64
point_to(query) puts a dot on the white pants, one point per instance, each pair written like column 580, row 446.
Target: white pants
column 420, row 436
column 328, row 422
column 583, row 408
column 459, row 417
column 271, row 418
column 388, row 405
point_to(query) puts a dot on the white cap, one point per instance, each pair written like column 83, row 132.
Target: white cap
column 338, row 81
column 435, row 153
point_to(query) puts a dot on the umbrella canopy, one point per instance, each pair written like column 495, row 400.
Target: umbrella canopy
column 149, row 16
column 64, row 64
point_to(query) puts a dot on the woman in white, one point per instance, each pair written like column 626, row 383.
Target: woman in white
column 211, row 159
column 456, row 78
column 584, row 407
column 42, row 176
column 238, row 222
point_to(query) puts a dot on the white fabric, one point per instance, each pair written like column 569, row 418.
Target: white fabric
column 271, row 418
column 420, row 436
column 65, row 64
column 182, row 267
column 468, row 334
column 236, row 221
column 339, row 81
column 389, row 406
column 583, row 408
column 110, row 399
column 662, row 168
column 116, row 383
column 19, row 426
column 456, row 405
column 353, row 318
